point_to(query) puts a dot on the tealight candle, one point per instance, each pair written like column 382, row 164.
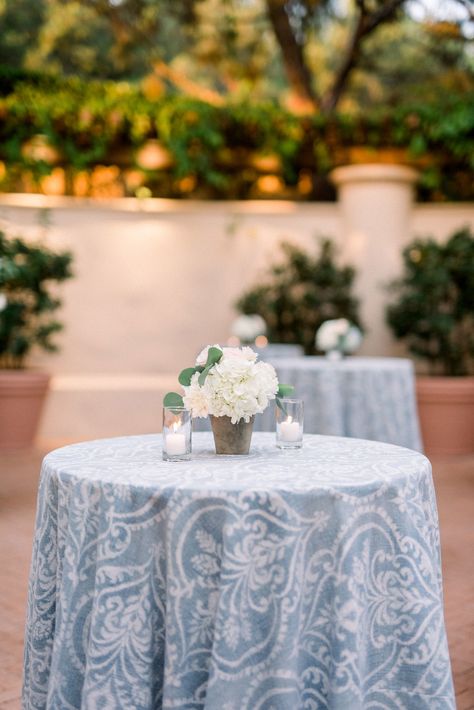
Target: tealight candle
column 289, row 423
column 289, row 430
column 175, row 442
column 177, row 432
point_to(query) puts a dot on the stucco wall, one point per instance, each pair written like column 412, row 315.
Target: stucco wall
column 155, row 282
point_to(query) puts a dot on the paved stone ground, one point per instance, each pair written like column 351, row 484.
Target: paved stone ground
column 454, row 481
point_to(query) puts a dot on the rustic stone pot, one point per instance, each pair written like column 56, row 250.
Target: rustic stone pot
column 22, row 395
column 446, row 409
column 231, row 439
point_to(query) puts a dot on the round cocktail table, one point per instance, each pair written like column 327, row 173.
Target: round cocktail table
column 282, row 579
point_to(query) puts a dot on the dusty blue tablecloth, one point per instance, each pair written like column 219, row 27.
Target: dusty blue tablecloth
column 367, row 398
column 282, row 580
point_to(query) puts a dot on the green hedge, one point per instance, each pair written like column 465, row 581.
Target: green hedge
column 90, row 123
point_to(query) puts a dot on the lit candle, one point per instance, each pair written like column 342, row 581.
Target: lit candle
column 175, row 442
column 290, row 430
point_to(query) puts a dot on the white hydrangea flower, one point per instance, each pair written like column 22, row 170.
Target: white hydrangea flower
column 202, row 357
column 244, row 353
column 353, row 339
column 338, row 334
column 248, row 327
column 195, row 398
column 237, row 386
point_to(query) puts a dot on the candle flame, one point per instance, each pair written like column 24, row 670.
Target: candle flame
column 176, row 426
column 289, row 419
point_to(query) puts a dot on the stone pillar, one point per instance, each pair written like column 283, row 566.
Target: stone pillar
column 376, row 203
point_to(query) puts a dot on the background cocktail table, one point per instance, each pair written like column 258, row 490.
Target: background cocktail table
column 367, row 398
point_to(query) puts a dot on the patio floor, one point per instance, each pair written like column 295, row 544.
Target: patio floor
column 454, row 481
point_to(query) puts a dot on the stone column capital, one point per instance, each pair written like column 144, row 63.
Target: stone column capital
column 373, row 172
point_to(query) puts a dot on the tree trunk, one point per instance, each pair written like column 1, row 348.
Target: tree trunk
column 366, row 23
column 296, row 68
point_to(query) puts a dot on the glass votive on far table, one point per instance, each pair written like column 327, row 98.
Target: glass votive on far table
column 289, row 424
column 176, row 434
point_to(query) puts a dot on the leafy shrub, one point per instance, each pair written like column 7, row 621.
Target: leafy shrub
column 86, row 122
column 27, row 272
column 434, row 310
column 302, row 292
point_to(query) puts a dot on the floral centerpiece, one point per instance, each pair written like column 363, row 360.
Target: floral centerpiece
column 337, row 338
column 248, row 327
column 231, row 386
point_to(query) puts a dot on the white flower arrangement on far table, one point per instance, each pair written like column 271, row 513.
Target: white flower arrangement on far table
column 338, row 337
column 228, row 382
column 248, row 327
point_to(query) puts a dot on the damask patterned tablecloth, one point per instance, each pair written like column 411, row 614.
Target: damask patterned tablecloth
column 367, row 398
column 281, row 580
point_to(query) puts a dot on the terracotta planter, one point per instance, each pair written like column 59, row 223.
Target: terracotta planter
column 446, row 409
column 231, row 439
column 22, row 395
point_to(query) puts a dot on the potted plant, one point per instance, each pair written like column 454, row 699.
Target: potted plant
column 27, row 307
column 301, row 293
column 434, row 314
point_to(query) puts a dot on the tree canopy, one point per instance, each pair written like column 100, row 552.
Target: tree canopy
column 312, row 54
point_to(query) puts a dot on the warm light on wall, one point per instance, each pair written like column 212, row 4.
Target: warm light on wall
column 305, row 183
column 270, row 184
column 81, row 183
column 154, row 156
column 187, row 184
column 39, row 148
column 267, row 163
column 55, row 183
column 134, row 179
column 105, row 181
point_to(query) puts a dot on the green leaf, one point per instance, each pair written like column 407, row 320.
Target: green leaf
column 281, row 406
column 285, row 390
column 213, row 356
column 173, row 399
column 186, row 375
column 204, row 374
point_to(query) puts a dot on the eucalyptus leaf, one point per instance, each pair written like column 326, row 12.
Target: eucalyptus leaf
column 285, row 390
column 203, row 375
column 173, row 399
column 186, row 375
column 281, row 406
column 213, row 356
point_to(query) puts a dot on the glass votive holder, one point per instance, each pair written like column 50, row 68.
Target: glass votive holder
column 289, row 424
column 176, row 434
